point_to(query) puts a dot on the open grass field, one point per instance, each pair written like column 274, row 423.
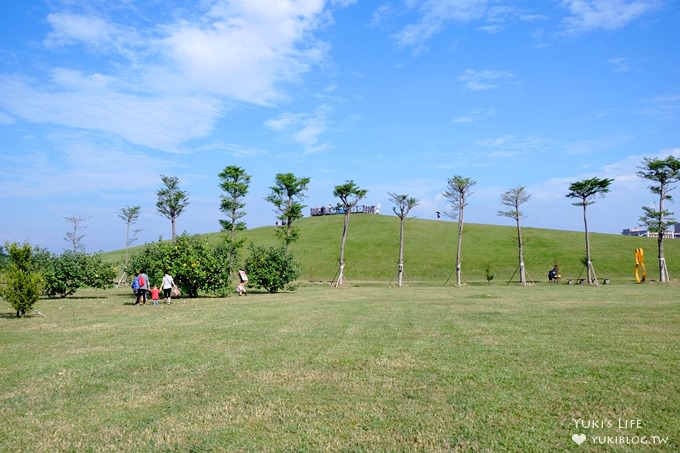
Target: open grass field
column 366, row 368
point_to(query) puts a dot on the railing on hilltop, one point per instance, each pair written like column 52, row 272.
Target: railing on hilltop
column 332, row 210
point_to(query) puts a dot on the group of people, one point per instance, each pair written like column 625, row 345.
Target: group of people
column 141, row 285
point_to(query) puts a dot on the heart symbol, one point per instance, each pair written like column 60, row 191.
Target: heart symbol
column 579, row 438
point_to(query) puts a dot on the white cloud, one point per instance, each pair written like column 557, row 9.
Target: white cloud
column 232, row 149
column 243, row 49
column 475, row 115
column 589, row 15
column 97, row 34
column 180, row 75
column 483, row 80
column 596, row 145
column 664, row 106
column 157, row 122
column 434, row 15
column 509, row 146
column 85, row 163
column 500, row 16
column 303, row 128
column 619, row 64
column 70, row 29
column 5, row 119
column 379, row 15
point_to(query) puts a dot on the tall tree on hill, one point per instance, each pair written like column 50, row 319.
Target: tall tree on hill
column 286, row 196
column 585, row 191
column 235, row 182
column 130, row 215
column 402, row 206
column 664, row 173
column 349, row 194
column 458, row 190
column 514, row 199
column 171, row 201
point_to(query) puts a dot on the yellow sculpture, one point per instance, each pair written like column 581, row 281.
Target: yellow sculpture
column 640, row 264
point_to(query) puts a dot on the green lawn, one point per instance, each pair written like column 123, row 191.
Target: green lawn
column 366, row 368
column 430, row 249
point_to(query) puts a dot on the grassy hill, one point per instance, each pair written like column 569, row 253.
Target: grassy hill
column 430, row 245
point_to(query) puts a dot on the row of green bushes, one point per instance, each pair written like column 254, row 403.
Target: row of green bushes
column 195, row 266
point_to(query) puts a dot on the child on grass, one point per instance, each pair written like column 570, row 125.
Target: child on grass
column 155, row 292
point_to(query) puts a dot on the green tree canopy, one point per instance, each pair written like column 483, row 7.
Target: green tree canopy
column 286, row 195
column 585, row 192
column 664, row 173
column 403, row 204
column 349, row 194
column 66, row 273
column 193, row 264
column 23, row 283
column 235, row 182
column 271, row 268
column 171, row 201
column 458, row 190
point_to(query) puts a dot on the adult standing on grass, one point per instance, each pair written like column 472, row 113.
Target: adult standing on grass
column 167, row 285
column 143, row 281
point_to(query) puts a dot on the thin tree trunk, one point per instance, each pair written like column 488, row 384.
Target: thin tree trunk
column 460, row 243
column 663, row 271
column 341, row 271
column 520, row 247
column 400, row 270
column 590, row 274
column 174, row 235
column 127, row 244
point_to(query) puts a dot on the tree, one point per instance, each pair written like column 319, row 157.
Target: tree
column 73, row 237
column 235, row 183
column 514, row 199
column 350, row 195
column 665, row 173
column 23, row 280
column 130, row 215
column 458, row 190
column 403, row 205
column 286, row 196
column 271, row 268
column 66, row 273
column 585, row 191
column 193, row 264
column 171, row 201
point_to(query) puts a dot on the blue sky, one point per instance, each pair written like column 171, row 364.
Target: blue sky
column 99, row 98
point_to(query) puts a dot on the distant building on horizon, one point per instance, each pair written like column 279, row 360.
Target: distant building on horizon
column 641, row 232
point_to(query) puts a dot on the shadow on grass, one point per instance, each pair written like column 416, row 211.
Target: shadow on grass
column 11, row 315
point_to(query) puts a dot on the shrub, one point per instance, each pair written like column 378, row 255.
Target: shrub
column 271, row 268
column 193, row 265
column 23, row 282
column 66, row 273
